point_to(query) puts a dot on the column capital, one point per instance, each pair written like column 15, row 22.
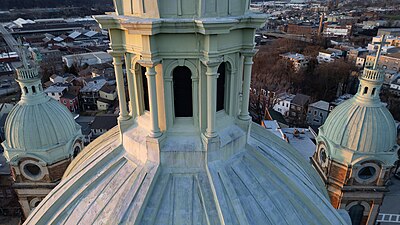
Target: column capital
column 116, row 54
column 249, row 52
column 148, row 63
column 212, row 62
column 151, row 71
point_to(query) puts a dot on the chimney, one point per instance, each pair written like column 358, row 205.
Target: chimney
column 321, row 23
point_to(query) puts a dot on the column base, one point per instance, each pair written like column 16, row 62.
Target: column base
column 244, row 117
column 155, row 134
column 153, row 146
column 210, row 134
column 210, row 143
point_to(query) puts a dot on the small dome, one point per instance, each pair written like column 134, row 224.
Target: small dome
column 38, row 126
column 368, row 128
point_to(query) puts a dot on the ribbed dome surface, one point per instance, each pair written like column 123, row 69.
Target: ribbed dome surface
column 363, row 128
column 37, row 126
column 267, row 183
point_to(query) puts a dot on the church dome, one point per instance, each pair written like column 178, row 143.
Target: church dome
column 39, row 126
column 267, row 182
column 361, row 126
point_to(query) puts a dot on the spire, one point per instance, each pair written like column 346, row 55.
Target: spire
column 29, row 69
column 379, row 51
column 372, row 78
column 28, row 77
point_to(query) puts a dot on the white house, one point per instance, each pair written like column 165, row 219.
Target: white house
column 282, row 103
column 92, row 58
column 55, row 92
column 326, row 56
column 298, row 60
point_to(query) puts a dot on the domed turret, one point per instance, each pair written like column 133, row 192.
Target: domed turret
column 41, row 137
column 356, row 149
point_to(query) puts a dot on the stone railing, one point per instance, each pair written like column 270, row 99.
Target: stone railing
column 370, row 74
column 27, row 74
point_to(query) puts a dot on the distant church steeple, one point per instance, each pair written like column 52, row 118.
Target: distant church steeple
column 41, row 138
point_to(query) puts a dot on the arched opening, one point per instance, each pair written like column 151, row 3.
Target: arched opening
column 33, row 89
column 25, row 90
column 373, row 91
column 221, row 81
column 183, row 100
column 356, row 213
column 365, row 90
column 145, row 89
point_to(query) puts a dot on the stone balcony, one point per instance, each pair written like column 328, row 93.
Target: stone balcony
column 372, row 74
column 28, row 74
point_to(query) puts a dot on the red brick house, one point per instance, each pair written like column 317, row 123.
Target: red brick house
column 70, row 101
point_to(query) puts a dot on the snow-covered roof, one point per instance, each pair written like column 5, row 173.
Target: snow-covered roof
column 74, row 34
column 90, row 33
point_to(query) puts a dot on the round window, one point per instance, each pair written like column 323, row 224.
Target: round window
column 366, row 173
column 32, row 169
column 36, row 203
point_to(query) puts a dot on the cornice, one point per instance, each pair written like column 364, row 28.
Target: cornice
column 205, row 26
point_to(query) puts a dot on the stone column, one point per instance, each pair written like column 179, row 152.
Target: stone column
column 212, row 75
column 195, row 91
column 119, row 76
column 131, row 85
column 373, row 214
column 151, row 81
column 248, row 62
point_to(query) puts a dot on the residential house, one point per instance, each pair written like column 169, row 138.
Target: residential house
column 298, row 60
column 395, row 86
column 91, row 58
column 337, row 30
column 339, row 101
column 390, row 61
column 56, row 92
column 107, row 97
column 85, row 122
column 298, row 110
column 282, row 103
column 329, row 55
column 89, row 94
column 317, row 113
column 70, row 101
column 103, row 123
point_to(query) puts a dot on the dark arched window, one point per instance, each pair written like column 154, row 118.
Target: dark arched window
column 33, row 89
column 77, row 149
column 183, row 102
column 356, row 213
column 26, row 90
column 365, row 90
column 221, row 87
column 145, row 89
column 373, row 91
